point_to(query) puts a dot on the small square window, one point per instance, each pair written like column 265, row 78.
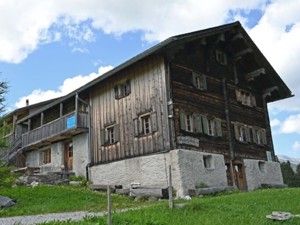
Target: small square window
column 145, row 124
column 221, row 57
column 199, row 81
column 110, row 134
column 122, row 90
column 46, row 156
column 208, row 162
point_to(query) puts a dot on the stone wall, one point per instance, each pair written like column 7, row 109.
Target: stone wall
column 189, row 169
column 80, row 154
column 262, row 172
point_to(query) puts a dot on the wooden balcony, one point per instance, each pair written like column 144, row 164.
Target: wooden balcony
column 56, row 130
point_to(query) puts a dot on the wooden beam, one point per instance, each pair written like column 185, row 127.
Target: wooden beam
column 237, row 37
column 256, row 73
column 268, row 91
column 243, row 52
column 221, row 37
column 203, row 41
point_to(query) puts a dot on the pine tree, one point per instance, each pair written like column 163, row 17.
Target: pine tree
column 288, row 174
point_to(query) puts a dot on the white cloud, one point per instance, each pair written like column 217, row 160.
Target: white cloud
column 296, row 146
column 69, row 85
column 27, row 24
column 275, row 122
column 291, row 124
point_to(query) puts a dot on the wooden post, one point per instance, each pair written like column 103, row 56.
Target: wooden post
column 108, row 206
column 171, row 201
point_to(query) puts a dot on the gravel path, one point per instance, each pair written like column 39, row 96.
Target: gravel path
column 29, row 220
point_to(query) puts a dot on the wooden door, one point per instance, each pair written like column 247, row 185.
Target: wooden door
column 239, row 176
column 69, row 156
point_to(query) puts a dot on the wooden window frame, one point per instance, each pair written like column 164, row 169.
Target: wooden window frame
column 221, row 57
column 46, row 154
column 145, row 124
column 198, row 123
column 110, row 135
column 245, row 98
column 122, row 90
column 199, row 81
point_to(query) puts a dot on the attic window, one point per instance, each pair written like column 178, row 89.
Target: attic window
column 245, row 98
column 221, row 57
column 122, row 90
column 199, row 81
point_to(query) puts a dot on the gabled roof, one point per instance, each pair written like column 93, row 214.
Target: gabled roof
column 177, row 40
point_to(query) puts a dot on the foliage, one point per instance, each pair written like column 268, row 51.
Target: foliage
column 3, row 91
column 51, row 199
column 7, row 179
column 290, row 178
column 83, row 181
column 249, row 208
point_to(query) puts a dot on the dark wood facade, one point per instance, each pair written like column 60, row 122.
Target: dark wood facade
column 205, row 91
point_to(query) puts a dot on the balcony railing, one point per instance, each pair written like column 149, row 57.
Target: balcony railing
column 58, row 129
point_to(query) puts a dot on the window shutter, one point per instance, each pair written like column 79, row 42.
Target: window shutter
column 264, row 138
column 205, row 124
column 204, row 82
column 182, row 120
column 247, row 131
column 198, row 123
column 236, row 131
column 239, row 96
column 154, row 127
column 128, row 87
column 194, row 77
column 218, row 127
column 253, row 100
column 117, row 132
column 102, row 136
column 136, row 127
column 116, row 91
column 254, row 135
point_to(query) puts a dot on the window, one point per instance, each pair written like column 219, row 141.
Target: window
column 190, row 122
column 145, row 124
column 242, row 132
column 262, row 166
column 221, row 57
column 259, row 136
column 245, row 98
column 122, row 90
column 198, row 123
column 212, row 126
column 208, row 162
column 46, row 154
column 110, row 134
column 199, row 81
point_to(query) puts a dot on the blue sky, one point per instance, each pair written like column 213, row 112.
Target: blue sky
column 48, row 48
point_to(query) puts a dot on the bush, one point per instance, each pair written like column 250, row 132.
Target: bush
column 7, row 178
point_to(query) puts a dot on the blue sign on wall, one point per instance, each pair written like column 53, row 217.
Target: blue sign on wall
column 71, row 122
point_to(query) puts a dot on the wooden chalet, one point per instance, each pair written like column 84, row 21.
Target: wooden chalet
column 197, row 101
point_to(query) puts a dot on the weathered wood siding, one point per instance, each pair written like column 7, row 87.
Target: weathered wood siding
column 199, row 58
column 148, row 94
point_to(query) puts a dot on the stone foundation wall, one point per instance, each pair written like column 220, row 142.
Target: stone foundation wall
column 262, row 172
column 189, row 169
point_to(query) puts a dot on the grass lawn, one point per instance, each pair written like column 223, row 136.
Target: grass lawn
column 51, row 199
column 236, row 208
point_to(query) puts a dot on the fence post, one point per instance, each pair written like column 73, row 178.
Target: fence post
column 108, row 206
column 171, row 201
